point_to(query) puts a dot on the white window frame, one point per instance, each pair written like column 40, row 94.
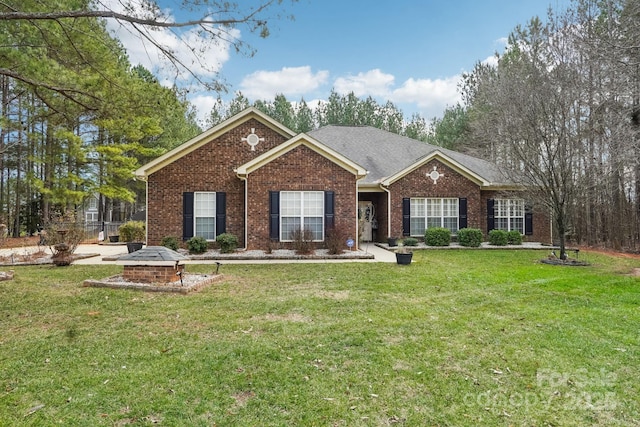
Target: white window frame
column 508, row 214
column 92, row 204
column 432, row 211
column 302, row 212
column 91, row 216
column 206, row 209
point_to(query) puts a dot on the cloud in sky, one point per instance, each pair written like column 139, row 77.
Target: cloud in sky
column 429, row 97
column 196, row 54
column 373, row 83
column 289, row 81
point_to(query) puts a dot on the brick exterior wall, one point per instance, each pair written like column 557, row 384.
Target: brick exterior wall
column 209, row 168
column 450, row 184
column 152, row 273
column 541, row 218
column 301, row 169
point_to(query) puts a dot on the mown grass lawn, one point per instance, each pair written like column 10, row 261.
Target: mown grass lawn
column 456, row 338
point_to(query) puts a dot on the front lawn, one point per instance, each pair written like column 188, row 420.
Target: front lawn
column 456, row 338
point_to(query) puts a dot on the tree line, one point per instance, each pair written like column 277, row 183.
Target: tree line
column 560, row 113
column 76, row 118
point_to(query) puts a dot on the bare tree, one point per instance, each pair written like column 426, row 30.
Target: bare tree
column 560, row 113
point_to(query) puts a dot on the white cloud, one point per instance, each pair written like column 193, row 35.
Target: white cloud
column 289, row 81
column 430, row 96
column 198, row 55
column 373, row 82
column 203, row 104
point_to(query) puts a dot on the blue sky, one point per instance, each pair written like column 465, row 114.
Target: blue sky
column 409, row 52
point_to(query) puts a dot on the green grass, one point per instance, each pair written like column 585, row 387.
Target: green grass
column 456, row 338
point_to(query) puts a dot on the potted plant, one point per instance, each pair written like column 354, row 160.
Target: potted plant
column 404, row 256
column 133, row 232
column 392, row 241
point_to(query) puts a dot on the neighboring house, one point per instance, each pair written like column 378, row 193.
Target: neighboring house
column 253, row 177
column 91, row 209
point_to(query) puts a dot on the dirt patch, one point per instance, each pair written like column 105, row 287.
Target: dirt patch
column 635, row 272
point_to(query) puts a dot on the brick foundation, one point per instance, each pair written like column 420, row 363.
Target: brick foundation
column 152, row 273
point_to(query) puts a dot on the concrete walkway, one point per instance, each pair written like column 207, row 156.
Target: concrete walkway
column 106, row 254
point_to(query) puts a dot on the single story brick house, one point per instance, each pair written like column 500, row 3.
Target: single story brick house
column 253, row 177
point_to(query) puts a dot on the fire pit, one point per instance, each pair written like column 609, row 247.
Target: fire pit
column 153, row 264
column 157, row 269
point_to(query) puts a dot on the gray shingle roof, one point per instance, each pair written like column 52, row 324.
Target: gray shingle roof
column 384, row 153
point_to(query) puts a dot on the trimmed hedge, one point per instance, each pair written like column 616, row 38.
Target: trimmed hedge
column 437, row 236
column 132, row 231
column 410, row 241
column 471, row 237
column 498, row 238
column 514, row 237
column 228, row 243
column 170, row 242
column 197, row 245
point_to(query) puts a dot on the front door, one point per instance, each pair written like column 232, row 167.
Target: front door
column 366, row 220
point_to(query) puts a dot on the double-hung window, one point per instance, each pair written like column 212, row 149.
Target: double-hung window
column 509, row 214
column 299, row 211
column 204, row 215
column 433, row 212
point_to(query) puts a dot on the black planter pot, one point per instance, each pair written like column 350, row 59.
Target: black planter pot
column 114, row 239
column 404, row 259
column 134, row 246
column 392, row 241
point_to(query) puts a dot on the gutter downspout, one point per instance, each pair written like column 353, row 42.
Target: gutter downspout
column 246, row 203
column 386, row 190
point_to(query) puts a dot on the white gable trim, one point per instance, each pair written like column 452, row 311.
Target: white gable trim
column 306, row 140
column 438, row 155
column 209, row 135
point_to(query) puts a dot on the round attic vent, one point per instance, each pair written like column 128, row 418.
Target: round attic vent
column 252, row 139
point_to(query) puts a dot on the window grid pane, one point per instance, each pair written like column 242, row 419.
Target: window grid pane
column 290, row 203
column 418, row 226
column 301, row 209
column 433, row 212
column 509, row 215
column 205, row 215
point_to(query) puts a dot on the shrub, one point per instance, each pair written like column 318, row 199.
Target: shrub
column 170, row 242
column 410, row 241
column 64, row 234
column 302, row 241
column 437, row 236
column 514, row 237
column 336, row 240
column 197, row 245
column 227, row 242
column 498, row 237
column 471, row 237
column 132, row 231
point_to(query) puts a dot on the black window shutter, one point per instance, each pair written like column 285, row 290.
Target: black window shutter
column 329, row 210
column 187, row 216
column 274, row 215
column 221, row 213
column 462, row 213
column 406, row 216
column 491, row 220
column 528, row 220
